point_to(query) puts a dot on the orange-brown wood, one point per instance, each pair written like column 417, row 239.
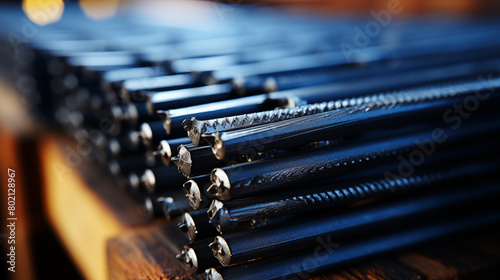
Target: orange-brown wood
column 23, row 225
column 80, row 215
column 147, row 253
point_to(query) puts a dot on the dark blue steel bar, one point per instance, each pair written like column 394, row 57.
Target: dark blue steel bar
column 290, row 267
column 246, row 179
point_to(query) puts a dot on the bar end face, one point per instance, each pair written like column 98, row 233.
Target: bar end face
column 114, row 147
column 148, row 206
column 167, row 203
column 212, row 274
column 189, row 258
column 165, row 152
column 134, row 182
column 194, row 130
column 188, row 226
column 149, row 180
column 219, row 217
column 146, row 134
column 125, row 113
column 134, row 138
column 221, row 186
column 193, row 193
column 270, row 85
column 216, row 143
column 165, row 118
column 185, row 162
column 221, row 250
column 114, row 167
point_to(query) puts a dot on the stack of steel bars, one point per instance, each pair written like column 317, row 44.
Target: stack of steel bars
column 283, row 148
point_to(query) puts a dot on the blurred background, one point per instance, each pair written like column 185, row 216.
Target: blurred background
column 27, row 122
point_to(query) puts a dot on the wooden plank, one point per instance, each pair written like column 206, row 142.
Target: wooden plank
column 464, row 257
column 383, row 268
column 467, row 257
column 430, row 268
column 81, row 216
column 147, row 253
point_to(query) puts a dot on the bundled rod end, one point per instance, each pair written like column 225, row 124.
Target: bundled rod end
column 134, row 182
column 212, row 274
column 125, row 113
column 221, row 185
column 238, row 85
column 165, row 118
column 213, row 208
column 75, row 119
column 219, row 217
column 114, row 167
column 183, row 227
column 189, row 258
column 292, row 102
column 188, row 226
column 270, row 85
column 117, row 113
column 167, row 205
column 134, row 138
column 146, row 135
column 148, row 206
column 194, row 130
column 216, row 143
column 175, row 160
column 125, row 94
column 193, row 193
column 187, row 124
column 114, row 147
column 181, row 256
column 165, row 152
column 221, row 250
column 185, row 162
column 149, row 180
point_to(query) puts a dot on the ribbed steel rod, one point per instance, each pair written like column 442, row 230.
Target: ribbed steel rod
column 226, row 216
column 290, row 267
column 247, row 179
column 308, row 82
column 374, row 112
column 240, row 247
column 196, row 187
column 341, row 90
column 196, row 128
column 172, row 119
column 311, row 87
